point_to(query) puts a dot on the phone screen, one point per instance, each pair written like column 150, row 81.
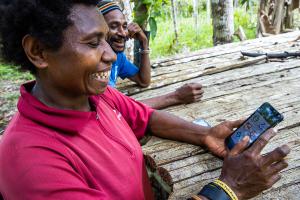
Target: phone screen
column 262, row 119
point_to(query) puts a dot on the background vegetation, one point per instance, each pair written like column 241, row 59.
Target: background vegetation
column 189, row 39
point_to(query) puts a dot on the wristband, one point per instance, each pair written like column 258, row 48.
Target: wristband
column 226, row 188
column 214, row 192
column 144, row 51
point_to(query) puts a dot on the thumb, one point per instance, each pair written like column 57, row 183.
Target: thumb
column 240, row 147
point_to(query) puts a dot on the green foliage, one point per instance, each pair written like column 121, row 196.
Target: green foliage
column 188, row 40
column 247, row 21
column 9, row 72
column 147, row 11
column 249, row 3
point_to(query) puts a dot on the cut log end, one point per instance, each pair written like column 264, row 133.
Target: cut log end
column 165, row 175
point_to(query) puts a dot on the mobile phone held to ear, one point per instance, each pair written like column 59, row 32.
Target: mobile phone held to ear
column 265, row 117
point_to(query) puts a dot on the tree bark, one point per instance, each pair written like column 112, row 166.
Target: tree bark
column 278, row 16
column 196, row 16
column 223, row 24
column 127, row 11
column 208, row 10
column 174, row 20
column 141, row 17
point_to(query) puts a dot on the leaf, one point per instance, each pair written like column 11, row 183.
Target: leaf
column 153, row 27
column 147, row 2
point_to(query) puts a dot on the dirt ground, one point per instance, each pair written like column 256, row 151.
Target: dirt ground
column 9, row 91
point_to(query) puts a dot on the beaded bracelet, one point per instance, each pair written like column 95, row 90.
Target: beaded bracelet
column 226, row 188
column 144, row 51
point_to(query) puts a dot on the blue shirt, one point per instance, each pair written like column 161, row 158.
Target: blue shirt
column 121, row 68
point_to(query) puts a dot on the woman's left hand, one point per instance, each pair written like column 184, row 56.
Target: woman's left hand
column 215, row 139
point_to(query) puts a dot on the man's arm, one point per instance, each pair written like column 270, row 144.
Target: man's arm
column 187, row 93
column 143, row 77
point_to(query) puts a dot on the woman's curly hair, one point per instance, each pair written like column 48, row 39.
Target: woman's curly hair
column 43, row 19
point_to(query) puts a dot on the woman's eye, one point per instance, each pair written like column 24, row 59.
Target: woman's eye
column 93, row 44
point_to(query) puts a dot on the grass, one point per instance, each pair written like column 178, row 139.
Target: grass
column 189, row 40
column 9, row 72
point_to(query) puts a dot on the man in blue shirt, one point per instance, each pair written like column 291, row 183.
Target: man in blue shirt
column 119, row 32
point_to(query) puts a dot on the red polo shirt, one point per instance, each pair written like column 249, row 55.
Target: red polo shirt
column 48, row 153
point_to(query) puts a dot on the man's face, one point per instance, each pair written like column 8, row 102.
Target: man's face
column 82, row 65
column 118, row 31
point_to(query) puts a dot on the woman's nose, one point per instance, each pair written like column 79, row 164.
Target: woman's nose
column 108, row 55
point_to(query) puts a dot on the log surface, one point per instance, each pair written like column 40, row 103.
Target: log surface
column 234, row 88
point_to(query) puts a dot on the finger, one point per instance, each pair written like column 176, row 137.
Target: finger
column 196, row 85
column 273, row 180
column 130, row 25
column 262, row 141
column 277, row 167
column 198, row 92
column 277, row 155
column 198, row 97
column 240, row 147
column 234, row 124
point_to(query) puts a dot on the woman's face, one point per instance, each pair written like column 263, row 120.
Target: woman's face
column 82, row 65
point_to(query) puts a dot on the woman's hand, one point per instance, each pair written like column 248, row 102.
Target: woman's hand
column 215, row 139
column 247, row 172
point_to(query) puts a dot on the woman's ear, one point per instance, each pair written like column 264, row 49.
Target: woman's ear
column 34, row 50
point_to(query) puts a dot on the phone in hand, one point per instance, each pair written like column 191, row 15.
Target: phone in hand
column 265, row 117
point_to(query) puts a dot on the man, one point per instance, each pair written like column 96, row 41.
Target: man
column 119, row 32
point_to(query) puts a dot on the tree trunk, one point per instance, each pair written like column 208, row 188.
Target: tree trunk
column 289, row 17
column 127, row 11
column 278, row 16
column 236, row 3
column 208, row 10
column 141, row 17
column 223, row 24
column 196, row 16
column 174, row 20
column 260, row 12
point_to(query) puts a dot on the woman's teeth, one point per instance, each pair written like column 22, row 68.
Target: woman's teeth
column 101, row 75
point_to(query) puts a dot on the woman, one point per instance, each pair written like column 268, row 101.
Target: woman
column 75, row 138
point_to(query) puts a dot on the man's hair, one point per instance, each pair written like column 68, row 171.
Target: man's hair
column 105, row 6
column 43, row 19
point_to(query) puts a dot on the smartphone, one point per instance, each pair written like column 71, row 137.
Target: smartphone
column 265, row 117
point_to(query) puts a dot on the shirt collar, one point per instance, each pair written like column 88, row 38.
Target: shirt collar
column 67, row 121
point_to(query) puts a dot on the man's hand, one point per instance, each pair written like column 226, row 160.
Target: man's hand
column 188, row 93
column 215, row 139
column 247, row 172
column 135, row 32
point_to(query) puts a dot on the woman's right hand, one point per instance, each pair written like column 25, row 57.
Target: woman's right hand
column 247, row 172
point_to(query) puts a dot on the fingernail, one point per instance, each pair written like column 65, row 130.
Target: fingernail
column 286, row 149
column 275, row 130
column 246, row 138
